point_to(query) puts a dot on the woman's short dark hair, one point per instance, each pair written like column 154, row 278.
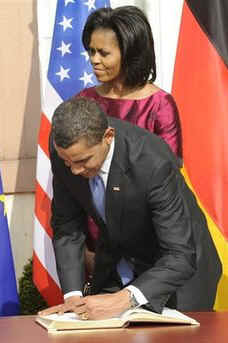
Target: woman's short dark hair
column 135, row 40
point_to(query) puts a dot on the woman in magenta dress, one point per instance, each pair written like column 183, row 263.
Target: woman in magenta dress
column 156, row 112
column 121, row 50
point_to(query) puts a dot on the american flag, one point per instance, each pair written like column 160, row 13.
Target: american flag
column 69, row 71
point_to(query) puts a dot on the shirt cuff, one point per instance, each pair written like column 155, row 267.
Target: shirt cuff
column 71, row 294
column 141, row 300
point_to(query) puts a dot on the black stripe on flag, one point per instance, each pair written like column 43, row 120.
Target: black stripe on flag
column 212, row 16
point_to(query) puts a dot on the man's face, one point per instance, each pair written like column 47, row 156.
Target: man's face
column 86, row 160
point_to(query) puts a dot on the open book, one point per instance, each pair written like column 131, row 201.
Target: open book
column 70, row 321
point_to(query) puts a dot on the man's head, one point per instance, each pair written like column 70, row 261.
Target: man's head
column 81, row 135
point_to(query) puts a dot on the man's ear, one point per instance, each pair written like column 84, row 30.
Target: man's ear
column 109, row 134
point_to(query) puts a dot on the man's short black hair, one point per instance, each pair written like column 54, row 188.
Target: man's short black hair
column 76, row 118
column 135, row 40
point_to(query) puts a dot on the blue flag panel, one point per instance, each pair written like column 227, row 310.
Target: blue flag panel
column 9, row 303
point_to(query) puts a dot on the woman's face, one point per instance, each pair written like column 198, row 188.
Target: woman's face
column 105, row 55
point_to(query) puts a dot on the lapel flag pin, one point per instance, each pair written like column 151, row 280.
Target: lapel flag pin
column 116, row 188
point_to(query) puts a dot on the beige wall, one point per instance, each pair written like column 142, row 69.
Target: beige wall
column 19, row 120
column 20, row 94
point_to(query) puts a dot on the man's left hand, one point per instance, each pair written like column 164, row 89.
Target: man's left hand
column 71, row 304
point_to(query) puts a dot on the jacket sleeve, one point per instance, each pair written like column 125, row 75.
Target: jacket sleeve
column 68, row 221
column 171, row 204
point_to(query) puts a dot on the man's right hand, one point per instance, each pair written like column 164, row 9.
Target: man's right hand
column 72, row 304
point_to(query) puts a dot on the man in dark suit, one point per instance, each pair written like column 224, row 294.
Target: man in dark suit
column 152, row 227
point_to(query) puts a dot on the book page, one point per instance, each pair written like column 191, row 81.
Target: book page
column 171, row 313
column 69, row 317
column 65, row 317
column 167, row 313
column 70, row 321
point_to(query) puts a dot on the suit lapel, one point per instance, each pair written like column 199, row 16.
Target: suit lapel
column 115, row 189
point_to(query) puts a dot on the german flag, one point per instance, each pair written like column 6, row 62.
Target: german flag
column 200, row 88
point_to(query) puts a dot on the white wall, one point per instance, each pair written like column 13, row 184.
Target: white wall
column 20, row 209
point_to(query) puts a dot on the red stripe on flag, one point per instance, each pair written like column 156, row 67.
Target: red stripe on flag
column 45, row 284
column 45, row 128
column 200, row 89
column 43, row 209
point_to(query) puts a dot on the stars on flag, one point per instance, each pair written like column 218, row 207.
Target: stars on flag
column 63, row 73
column 69, row 66
column 66, row 23
column 2, row 199
column 86, row 55
column 68, row 2
column 90, row 4
column 64, row 48
column 86, row 78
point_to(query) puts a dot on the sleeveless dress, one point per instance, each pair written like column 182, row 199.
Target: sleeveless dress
column 157, row 113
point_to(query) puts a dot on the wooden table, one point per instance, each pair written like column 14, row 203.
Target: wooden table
column 213, row 329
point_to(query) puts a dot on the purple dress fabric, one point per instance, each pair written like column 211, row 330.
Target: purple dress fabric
column 157, row 113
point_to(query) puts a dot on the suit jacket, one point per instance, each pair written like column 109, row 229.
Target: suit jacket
column 152, row 219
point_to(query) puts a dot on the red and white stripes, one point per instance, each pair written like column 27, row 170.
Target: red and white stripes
column 44, row 267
